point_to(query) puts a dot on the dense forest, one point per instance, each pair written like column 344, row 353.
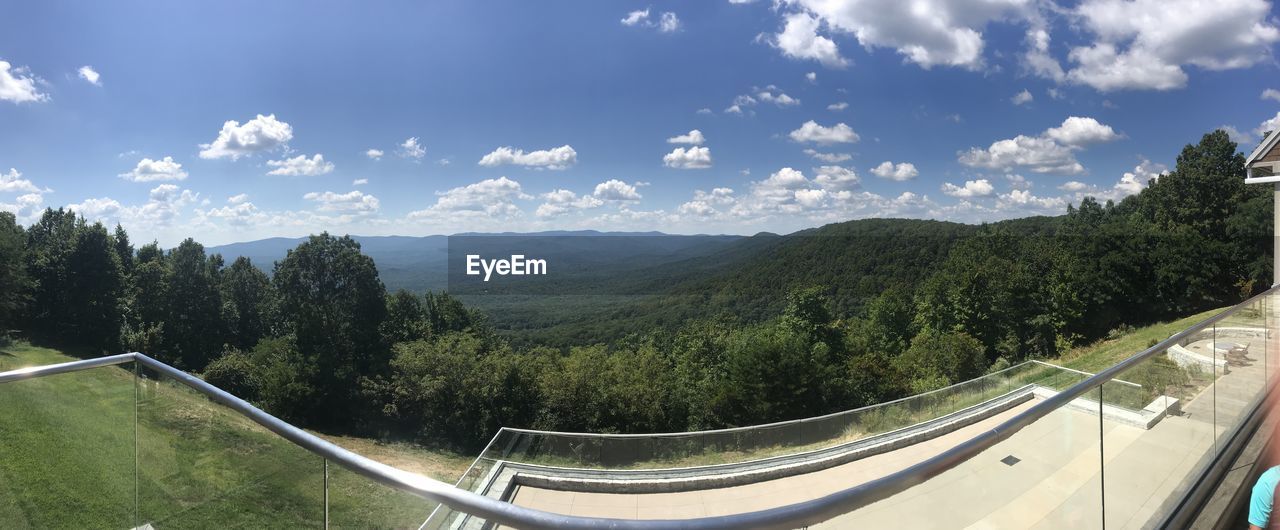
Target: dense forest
column 799, row 325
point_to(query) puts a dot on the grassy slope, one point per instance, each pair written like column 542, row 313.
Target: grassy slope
column 199, row 465
column 1105, row 353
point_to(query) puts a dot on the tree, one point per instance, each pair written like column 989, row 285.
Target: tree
column 124, row 250
column 15, row 285
column 95, row 283
column 246, row 295
column 936, row 359
column 406, row 318
column 50, row 242
column 332, row 302
column 193, row 325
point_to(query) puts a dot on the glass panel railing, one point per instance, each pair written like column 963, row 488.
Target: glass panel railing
column 1047, row 475
column 747, row 444
column 67, row 449
column 202, row 465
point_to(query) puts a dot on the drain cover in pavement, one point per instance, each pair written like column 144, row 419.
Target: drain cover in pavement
column 1010, row 460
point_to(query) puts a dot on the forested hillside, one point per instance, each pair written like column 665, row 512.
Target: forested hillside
column 760, row 329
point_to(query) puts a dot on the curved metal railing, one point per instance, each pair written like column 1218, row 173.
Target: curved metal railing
column 784, row 517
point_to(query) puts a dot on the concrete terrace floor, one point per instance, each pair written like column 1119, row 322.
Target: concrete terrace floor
column 1055, row 483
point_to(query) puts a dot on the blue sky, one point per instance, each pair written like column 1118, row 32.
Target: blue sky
column 233, row 121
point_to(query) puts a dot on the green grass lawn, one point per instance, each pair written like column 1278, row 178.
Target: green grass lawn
column 67, row 460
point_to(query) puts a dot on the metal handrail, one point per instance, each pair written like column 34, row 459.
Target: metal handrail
column 796, row 515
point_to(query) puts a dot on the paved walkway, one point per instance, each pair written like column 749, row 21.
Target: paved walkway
column 1055, row 481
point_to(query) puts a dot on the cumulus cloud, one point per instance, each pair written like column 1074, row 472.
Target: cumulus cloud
column 350, row 202
column 238, row 199
column 557, row 158
column 12, row 182
column 300, row 166
column 837, row 107
column 810, row 131
column 561, row 201
column 18, row 85
column 1037, row 59
column 693, row 137
column 1022, row 98
column 771, row 94
column 1144, row 44
column 25, row 208
column 1053, row 151
column 799, row 39
column 1133, row 182
column 489, row 198
column 667, row 21
column 1271, row 94
column 925, row 32
column 811, row 77
column 830, row 158
column 971, row 189
column 410, row 148
column 87, row 73
column 901, row 171
column 691, row 158
column 263, row 133
column 836, row 178
column 1269, row 125
column 1077, row 131
column 1074, row 186
column 149, row 170
column 376, row 154
column 359, row 182
column 1240, row 137
column 616, row 190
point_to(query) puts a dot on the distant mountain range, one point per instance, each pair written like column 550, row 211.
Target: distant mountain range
column 421, row 263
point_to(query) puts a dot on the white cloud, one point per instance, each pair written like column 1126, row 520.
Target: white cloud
column 411, row 149
column 1074, row 186
column 902, row 171
column 149, row 170
column 87, row 73
column 925, row 32
column 561, row 201
column 691, row 158
column 836, row 178
column 300, row 166
column 830, row 158
column 350, row 202
column 837, row 107
column 1054, row 93
column 557, row 158
column 238, row 199
column 18, row 85
column 703, row 111
column 667, row 21
column 810, row 131
column 263, row 133
column 636, row 17
column 1037, row 59
column 1077, row 131
column 971, row 189
column 693, row 137
column 26, row 208
column 13, row 182
column 1133, row 182
column 1269, row 125
column 616, row 190
column 359, row 182
column 1240, row 137
column 1053, row 151
column 1027, row 203
column 771, row 94
column 811, row 77
column 489, row 198
column 799, row 39
column 375, row 154
column 1271, row 94
column 1143, row 44
column 1017, row 182
column 1022, row 98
